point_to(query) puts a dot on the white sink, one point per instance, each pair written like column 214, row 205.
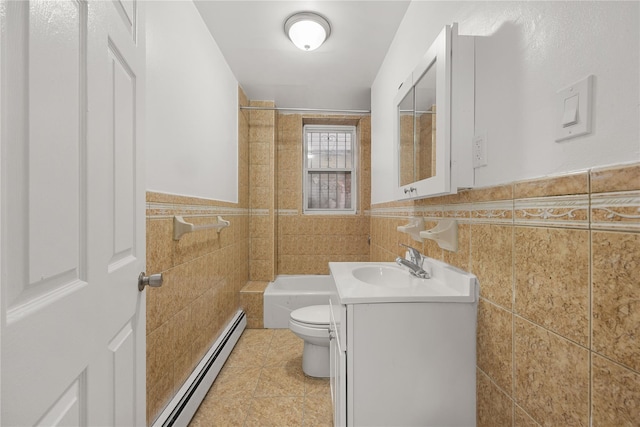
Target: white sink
column 383, row 275
column 377, row 282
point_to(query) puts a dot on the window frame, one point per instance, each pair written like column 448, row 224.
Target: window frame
column 309, row 128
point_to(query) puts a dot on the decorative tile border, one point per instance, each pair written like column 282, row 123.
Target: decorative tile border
column 616, row 211
column 393, row 212
column 259, row 212
column 407, row 211
column 168, row 210
column 612, row 211
column 287, row 212
column 498, row 212
column 559, row 211
column 461, row 212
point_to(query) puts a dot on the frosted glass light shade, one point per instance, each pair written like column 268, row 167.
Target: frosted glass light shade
column 307, row 30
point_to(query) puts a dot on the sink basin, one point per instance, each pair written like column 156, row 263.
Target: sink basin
column 383, row 275
column 377, row 282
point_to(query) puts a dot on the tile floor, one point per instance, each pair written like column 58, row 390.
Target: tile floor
column 262, row 384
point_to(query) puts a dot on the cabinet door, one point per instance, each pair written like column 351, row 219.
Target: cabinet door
column 337, row 370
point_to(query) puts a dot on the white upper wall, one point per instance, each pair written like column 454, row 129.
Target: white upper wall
column 526, row 53
column 192, row 107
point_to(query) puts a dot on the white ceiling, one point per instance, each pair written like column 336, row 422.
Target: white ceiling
column 338, row 75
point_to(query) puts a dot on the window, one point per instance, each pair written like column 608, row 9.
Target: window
column 330, row 169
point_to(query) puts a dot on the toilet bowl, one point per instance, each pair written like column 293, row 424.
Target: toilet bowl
column 312, row 325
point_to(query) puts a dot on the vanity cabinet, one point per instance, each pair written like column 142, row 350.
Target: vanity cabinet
column 403, row 363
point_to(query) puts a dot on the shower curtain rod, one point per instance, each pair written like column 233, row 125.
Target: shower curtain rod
column 324, row 110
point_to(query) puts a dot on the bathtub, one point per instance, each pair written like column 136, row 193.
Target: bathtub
column 288, row 293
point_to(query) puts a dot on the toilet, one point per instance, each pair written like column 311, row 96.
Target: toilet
column 312, row 325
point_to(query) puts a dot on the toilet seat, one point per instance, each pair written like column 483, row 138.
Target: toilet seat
column 311, row 321
column 312, row 315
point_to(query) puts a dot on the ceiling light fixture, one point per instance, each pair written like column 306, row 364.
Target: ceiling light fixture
column 307, row 30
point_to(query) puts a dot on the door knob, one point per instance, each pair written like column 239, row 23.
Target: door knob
column 155, row 281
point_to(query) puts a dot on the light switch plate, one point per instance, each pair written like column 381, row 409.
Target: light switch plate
column 574, row 118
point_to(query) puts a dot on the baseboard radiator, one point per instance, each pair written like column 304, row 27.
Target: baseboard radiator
column 184, row 405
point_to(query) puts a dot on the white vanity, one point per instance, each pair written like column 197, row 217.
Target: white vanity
column 403, row 349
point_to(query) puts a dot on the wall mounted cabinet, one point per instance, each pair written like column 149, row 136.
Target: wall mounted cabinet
column 434, row 123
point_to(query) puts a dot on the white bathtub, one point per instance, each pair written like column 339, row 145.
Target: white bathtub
column 288, row 293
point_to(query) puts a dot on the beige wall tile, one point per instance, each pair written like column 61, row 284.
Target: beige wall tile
column 257, row 286
column 158, row 365
column 260, row 226
column 182, row 366
column 492, row 262
column 616, row 178
column 261, row 248
column 260, row 153
column 262, row 270
column 290, row 129
column 461, row 258
column 159, row 244
column 260, row 197
column 255, row 322
column 552, row 279
column 495, row 344
column 616, row 296
column 500, row 192
column 260, row 176
column 551, row 376
column 493, row 407
column 158, row 396
column 575, row 183
column 615, row 394
column 252, row 303
column 164, row 302
column 289, row 198
column 290, row 159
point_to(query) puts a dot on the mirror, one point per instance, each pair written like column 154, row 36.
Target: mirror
column 417, row 125
column 425, row 125
column 407, row 139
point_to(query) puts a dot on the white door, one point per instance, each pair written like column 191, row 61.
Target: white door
column 72, row 213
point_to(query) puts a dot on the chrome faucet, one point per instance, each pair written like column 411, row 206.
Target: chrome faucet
column 416, row 256
column 415, row 265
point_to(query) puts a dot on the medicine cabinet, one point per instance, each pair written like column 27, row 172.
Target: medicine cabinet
column 434, row 123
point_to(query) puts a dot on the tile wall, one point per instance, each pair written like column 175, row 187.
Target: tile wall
column 203, row 273
column 306, row 243
column 558, row 260
column 262, row 191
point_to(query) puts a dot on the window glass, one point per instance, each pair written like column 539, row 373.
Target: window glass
column 329, row 170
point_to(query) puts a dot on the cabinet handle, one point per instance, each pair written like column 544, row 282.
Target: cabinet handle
column 331, row 334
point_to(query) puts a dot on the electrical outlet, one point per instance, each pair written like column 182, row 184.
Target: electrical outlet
column 479, row 151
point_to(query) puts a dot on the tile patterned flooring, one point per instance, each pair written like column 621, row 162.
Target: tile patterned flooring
column 262, row 384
